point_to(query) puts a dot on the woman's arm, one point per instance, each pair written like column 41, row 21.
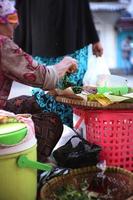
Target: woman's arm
column 19, row 66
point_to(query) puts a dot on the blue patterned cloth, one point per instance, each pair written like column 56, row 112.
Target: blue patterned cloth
column 47, row 102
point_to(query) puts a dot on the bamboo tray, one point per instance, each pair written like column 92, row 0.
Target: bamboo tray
column 93, row 105
column 123, row 177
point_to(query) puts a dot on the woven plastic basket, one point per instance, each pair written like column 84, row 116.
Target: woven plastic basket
column 113, row 131
column 110, row 127
column 120, row 177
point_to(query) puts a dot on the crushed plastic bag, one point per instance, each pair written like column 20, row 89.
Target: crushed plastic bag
column 46, row 176
column 76, row 153
column 96, row 67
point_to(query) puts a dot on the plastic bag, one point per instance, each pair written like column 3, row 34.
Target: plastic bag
column 46, row 176
column 77, row 152
column 96, row 66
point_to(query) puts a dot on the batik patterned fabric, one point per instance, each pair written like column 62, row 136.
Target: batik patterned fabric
column 16, row 65
column 7, row 12
column 48, row 126
column 47, row 102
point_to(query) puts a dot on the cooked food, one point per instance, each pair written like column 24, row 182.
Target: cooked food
column 7, row 119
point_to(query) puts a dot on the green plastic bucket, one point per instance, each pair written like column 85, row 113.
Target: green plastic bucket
column 17, row 183
column 18, row 171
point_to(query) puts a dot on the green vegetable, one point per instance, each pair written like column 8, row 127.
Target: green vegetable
column 77, row 89
column 74, row 192
column 70, row 193
column 65, row 82
column 130, row 90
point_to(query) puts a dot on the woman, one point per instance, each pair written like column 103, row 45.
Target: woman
column 19, row 66
column 50, row 29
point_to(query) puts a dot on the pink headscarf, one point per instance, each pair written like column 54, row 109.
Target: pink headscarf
column 8, row 12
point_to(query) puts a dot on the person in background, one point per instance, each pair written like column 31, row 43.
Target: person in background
column 126, row 48
column 17, row 65
column 49, row 30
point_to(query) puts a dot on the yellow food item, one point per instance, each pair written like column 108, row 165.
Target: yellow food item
column 99, row 98
column 6, row 119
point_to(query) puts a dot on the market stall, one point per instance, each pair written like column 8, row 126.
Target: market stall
column 109, row 126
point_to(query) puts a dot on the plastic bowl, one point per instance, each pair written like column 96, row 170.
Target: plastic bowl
column 12, row 133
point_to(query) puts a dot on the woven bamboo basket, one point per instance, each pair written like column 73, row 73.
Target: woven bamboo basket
column 123, row 178
column 93, row 104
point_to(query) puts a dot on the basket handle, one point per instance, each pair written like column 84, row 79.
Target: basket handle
column 23, row 161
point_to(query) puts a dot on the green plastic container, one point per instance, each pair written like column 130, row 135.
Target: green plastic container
column 17, row 183
column 113, row 90
column 116, row 85
column 18, row 170
column 12, row 133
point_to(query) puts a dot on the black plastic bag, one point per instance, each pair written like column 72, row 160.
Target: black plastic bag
column 76, row 153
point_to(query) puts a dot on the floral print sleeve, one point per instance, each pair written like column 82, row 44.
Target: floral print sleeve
column 19, row 66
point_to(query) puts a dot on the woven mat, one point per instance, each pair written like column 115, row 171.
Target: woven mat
column 84, row 104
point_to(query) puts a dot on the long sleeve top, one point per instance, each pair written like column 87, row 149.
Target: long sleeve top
column 19, row 66
column 52, row 28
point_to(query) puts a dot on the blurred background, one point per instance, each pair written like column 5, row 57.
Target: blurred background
column 114, row 23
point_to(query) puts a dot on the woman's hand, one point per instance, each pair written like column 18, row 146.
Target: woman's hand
column 97, row 49
column 67, row 64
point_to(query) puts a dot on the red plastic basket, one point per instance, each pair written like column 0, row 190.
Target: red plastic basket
column 113, row 131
